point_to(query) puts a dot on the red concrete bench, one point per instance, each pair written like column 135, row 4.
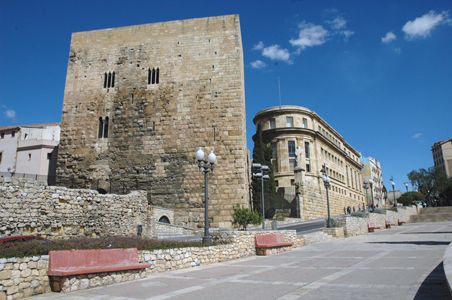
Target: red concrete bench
column 79, row 262
column 268, row 241
column 371, row 226
column 387, row 224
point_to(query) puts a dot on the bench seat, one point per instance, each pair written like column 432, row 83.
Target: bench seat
column 270, row 241
column 372, row 226
column 81, row 262
column 71, row 271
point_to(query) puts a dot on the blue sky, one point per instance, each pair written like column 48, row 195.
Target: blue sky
column 380, row 72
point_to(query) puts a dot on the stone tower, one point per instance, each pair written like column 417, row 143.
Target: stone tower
column 140, row 100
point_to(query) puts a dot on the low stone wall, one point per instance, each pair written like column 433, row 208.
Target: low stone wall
column 59, row 212
column 163, row 229
column 378, row 219
column 404, row 213
column 447, row 264
column 392, row 217
column 336, row 232
column 21, row 277
column 352, row 225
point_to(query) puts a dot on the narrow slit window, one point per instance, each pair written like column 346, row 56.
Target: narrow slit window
column 101, row 128
column 106, row 127
column 105, row 80
column 157, row 76
column 153, row 76
column 149, row 76
column 113, row 80
column 109, row 80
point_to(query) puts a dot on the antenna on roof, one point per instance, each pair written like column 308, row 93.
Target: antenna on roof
column 279, row 91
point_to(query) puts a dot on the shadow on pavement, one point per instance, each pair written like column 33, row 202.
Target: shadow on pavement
column 420, row 243
column 434, row 286
column 426, row 232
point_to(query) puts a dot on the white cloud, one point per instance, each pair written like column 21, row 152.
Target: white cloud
column 422, row 26
column 339, row 27
column 258, row 64
column 417, row 135
column 310, row 35
column 275, row 52
column 259, row 46
column 338, row 23
column 9, row 113
column 389, row 37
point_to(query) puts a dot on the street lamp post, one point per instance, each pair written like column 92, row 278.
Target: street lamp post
column 206, row 166
column 393, row 191
column 260, row 173
column 326, row 182
column 366, row 187
column 371, row 183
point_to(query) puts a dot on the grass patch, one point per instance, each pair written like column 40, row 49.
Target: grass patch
column 42, row 247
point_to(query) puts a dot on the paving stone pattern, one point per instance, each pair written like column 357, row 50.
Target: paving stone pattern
column 398, row 263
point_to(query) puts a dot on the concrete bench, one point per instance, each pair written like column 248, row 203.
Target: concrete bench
column 400, row 222
column 269, row 241
column 66, row 263
column 371, row 226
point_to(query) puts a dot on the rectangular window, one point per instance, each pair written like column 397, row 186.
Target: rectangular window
column 49, row 155
column 2, row 135
column 1, row 154
column 307, row 150
column 291, row 147
column 292, row 182
column 289, row 121
column 272, row 123
column 305, row 123
column 13, row 134
column 308, row 168
column 274, row 151
column 292, row 164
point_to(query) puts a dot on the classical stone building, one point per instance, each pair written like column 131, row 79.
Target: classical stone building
column 442, row 156
column 302, row 142
column 140, row 100
column 373, row 181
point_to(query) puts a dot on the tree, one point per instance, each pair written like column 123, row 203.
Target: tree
column 434, row 184
column 407, row 198
column 262, row 154
column 244, row 216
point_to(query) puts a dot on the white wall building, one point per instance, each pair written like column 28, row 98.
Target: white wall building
column 373, row 175
column 29, row 151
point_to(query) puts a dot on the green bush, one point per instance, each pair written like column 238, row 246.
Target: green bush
column 407, row 198
column 42, row 247
column 244, row 216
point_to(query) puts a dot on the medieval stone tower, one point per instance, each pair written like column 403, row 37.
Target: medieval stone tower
column 140, row 100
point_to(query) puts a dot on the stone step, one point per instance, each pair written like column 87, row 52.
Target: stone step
column 316, row 237
column 431, row 218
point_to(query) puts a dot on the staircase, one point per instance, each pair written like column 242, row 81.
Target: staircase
column 433, row 214
column 316, row 237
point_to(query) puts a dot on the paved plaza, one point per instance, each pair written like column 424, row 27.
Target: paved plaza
column 400, row 263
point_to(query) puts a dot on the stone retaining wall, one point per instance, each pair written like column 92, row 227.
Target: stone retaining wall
column 59, row 212
column 392, row 217
column 21, row 277
column 378, row 219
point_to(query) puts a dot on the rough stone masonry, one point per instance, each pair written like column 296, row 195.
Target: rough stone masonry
column 140, row 100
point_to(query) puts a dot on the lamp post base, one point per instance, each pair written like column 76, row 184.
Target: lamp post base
column 207, row 240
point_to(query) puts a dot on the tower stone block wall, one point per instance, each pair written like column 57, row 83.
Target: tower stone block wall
column 138, row 102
